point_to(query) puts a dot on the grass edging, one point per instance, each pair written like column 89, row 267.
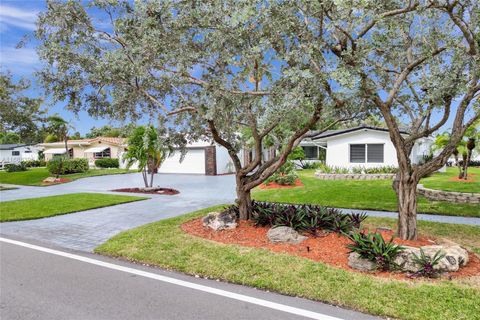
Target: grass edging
column 46, row 207
column 165, row 245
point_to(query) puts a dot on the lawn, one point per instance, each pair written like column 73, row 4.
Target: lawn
column 35, row 176
column 163, row 244
column 356, row 194
column 35, row 208
column 445, row 181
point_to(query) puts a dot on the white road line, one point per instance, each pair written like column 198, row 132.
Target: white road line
column 191, row 285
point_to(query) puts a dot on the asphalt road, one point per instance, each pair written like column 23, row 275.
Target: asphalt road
column 60, row 284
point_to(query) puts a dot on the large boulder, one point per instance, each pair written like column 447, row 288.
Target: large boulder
column 285, row 235
column 356, row 261
column 220, row 220
column 405, row 259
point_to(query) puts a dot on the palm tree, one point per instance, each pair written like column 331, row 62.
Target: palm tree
column 59, row 127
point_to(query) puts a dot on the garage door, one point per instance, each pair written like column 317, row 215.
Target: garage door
column 194, row 162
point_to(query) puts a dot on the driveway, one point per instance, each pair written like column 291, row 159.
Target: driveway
column 87, row 229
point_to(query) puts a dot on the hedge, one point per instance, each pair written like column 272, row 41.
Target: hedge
column 61, row 165
column 107, row 163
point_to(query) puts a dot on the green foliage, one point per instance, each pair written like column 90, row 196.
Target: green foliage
column 297, row 154
column 285, row 175
column 34, row 163
column 12, row 167
column 107, row 163
column 307, row 218
column 9, row 138
column 427, row 264
column 110, row 131
column 323, row 168
column 373, row 247
column 60, row 165
column 51, row 138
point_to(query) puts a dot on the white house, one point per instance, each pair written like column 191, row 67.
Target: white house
column 362, row 146
column 202, row 157
column 14, row 153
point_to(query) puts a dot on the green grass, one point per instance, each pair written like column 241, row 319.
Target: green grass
column 35, row 208
column 35, row 176
column 442, row 181
column 164, row 244
column 356, row 194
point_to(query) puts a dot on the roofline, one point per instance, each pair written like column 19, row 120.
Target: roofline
column 353, row 130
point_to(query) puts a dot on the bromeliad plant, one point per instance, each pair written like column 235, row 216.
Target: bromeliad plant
column 285, row 175
column 372, row 246
column 427, row 264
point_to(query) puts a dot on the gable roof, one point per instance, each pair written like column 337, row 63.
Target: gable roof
column 11, row 146
column 332, row 133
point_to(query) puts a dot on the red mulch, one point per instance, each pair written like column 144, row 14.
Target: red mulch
column 273, row 185
column 57, row 181
column 471, row 177
column 328, row 247
column 164, row 191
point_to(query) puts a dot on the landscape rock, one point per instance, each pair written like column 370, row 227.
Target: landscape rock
column 220, row 220
column 285, row 235
column 405, row 259
column 357, row 262
column 51, row 180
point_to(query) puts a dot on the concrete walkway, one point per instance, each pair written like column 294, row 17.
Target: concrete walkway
column 88, row 229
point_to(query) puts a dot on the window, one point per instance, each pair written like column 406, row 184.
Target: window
column 104, row 154
column 311, row 153
column 370, row 153
column 27, row 151
column 15, row 153
column 357, row 153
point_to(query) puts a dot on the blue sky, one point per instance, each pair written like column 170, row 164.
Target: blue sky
column 17, row 19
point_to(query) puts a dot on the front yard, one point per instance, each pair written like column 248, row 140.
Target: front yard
column 35, row 176
column 164, row 244
column 374, row 195
column 35, row 208
column 447, row 181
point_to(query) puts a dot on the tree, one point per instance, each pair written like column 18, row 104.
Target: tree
column 218, row 67
column 9, row 138
column 413, row 60
column 59, row 127
column 149, row 148
column 18, row 113
column 110, row 131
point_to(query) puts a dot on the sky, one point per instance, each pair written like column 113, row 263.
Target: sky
column 17, row 20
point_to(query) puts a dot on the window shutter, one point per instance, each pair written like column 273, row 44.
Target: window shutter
column 357, row 153
column 375, row 153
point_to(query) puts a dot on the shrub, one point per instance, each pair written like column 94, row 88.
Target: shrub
column 373, row 247
column 307, row 218
column 11, row 167
column 34, row 163
column 285, row 175
column 311, row 165
column 60, row 165
column 323, row 168
column 426, row 264
column 107, row 163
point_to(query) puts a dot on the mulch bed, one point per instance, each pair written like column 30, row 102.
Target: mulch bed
column 471, row 177
column 57, row 181
column 164, row 191
column 329, row 248
column 273, row 185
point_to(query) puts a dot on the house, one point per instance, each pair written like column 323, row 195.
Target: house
column 91, row 149
column 202, row 157
column 362, row 146
column 15, row 153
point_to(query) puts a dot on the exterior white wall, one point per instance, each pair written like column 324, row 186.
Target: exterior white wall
column 224, row 163
column 7, row 157
column 421, row 148
column 338, row 148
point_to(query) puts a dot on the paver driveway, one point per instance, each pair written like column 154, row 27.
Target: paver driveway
column 87, row 229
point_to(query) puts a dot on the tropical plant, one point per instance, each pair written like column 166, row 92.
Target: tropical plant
column 426, row 263
column 372, row 246
column 285, row 175
column 59, row 127
column 12, row 167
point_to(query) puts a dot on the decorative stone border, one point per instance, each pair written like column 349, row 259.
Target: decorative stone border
column 440, row 195
column 355, row 176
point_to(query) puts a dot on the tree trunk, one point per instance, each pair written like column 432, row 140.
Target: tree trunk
column 152, row 173
column 406, row 189
column 244, row 199
column 67, row 154
column 144, row 175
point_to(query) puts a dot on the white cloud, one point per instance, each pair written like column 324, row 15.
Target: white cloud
column 16, row 17
column 19, row 61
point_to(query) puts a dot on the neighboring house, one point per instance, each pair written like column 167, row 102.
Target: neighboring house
column 362, row 146
column 14, row 153
column 91, row 149
column 201, row 157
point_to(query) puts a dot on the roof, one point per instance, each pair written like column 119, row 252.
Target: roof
column 332, row 133
column 110, row 140
column 12, row 146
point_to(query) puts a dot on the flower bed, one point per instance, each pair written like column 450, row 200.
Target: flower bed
column 274, row 185
column 328, row 247
column 163, row 191
column 354, row 176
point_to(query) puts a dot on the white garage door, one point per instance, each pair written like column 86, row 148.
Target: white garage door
column 194, row 162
